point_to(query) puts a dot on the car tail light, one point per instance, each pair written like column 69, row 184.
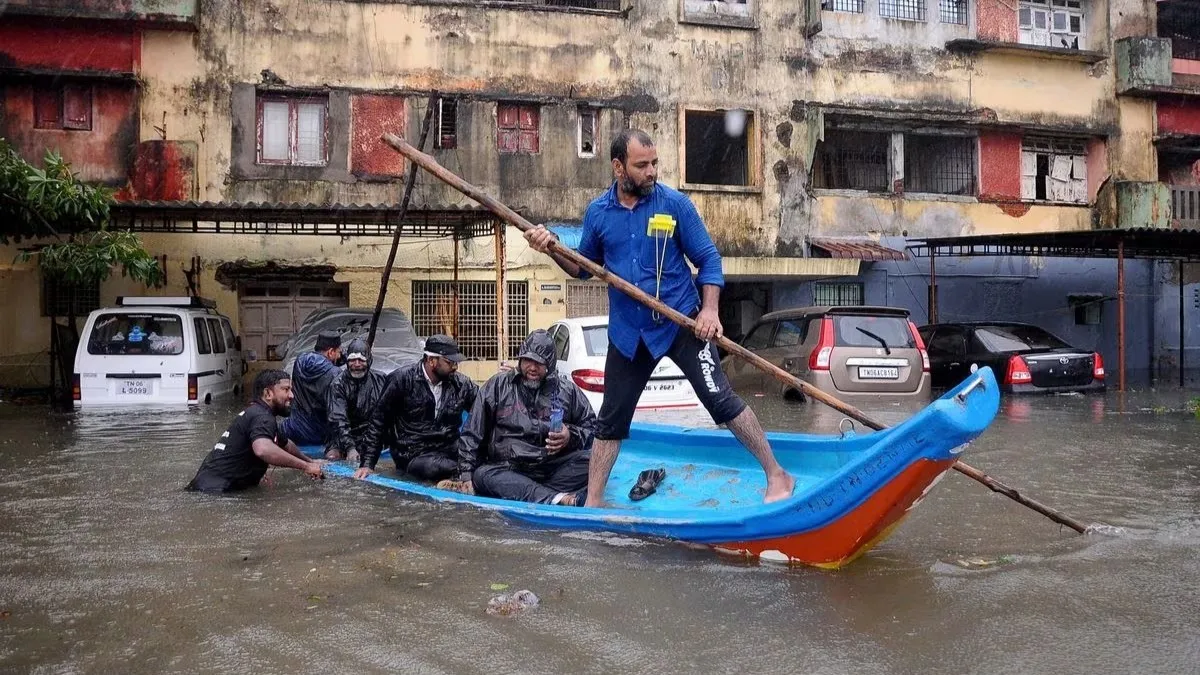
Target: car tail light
column 76, row 390
column 822, row 354
column 912, row 327
column 1018, row 371
column 193, row 388
column 589, row 379
column 1097, row 367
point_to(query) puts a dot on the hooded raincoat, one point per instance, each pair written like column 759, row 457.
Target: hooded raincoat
column 352, row 403
column 510, row 420
column 312, row 376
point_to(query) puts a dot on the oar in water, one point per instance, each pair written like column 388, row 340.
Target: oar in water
column 512, row 217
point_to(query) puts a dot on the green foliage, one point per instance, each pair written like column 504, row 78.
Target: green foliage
column 53, row 203
column 92, row 257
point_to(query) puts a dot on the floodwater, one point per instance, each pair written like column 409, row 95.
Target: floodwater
column 106, row 565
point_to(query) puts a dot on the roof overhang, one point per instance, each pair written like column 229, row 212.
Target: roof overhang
column 1152, row 243
column 337, row 220
column 854, row 248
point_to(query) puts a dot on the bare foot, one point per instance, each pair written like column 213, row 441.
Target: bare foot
column 463, row 486
column 779, row 486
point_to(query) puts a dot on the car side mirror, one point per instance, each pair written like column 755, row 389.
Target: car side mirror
column 237, row 342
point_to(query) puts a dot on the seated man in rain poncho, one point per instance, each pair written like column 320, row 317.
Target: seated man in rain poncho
column 353, row 397
column 312, row 376
column 529, row 435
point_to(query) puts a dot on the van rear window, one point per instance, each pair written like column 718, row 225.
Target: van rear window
column 873, row 331
column 122, row 334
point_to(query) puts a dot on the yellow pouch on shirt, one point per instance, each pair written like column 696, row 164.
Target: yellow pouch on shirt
column 660, row 222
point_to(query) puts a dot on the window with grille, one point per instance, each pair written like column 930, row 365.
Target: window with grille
column 953, row 11
column 852, row 160
column 517, row 128
column 1179, row 22
column 587, row 298
column 911, row 10
column 447, row 135
column 604, row 5
column 293, row 130
column 1054, row 170
column 837, row 293
column 1052, row 23
column 66, row 106
column 433, row 312
column 60, row 297
column 943, row 165
column 854, row 6
column 587, row 132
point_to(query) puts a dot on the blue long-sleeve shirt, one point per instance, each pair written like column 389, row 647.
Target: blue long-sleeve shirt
column 615, row 236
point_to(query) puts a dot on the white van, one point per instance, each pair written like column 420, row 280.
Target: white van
column 157, row 350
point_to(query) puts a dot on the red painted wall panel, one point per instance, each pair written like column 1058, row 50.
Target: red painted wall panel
column 996, row 20
column 101, row 154
column 999, row 166
column 371, row 117
column 68, row 45
column 1176, row 117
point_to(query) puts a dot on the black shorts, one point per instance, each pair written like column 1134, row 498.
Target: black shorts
column 625, row 379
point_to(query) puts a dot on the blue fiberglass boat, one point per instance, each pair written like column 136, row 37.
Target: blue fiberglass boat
column 850, row 493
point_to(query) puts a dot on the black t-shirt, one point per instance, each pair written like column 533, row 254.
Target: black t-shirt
column 232, row 464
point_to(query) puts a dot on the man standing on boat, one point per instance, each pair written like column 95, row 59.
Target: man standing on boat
column 528, row 434
column 641, row 231
column 253, row 442
column 312, row 375
column 353, row 399
column 420, row 413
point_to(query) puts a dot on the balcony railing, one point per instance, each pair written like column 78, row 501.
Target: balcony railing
column 1185, row 206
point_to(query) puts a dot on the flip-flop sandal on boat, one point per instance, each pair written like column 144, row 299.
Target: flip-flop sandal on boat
column 647, row 482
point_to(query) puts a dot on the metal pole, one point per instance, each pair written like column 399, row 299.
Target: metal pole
column 454, row 291
column 1121, row 314
column 1181, row 324
column 932, row 309
column 408, row 190
column 501, row 313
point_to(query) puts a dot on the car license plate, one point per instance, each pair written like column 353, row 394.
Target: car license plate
column 660, row 386
column 878, row 373
column 135, row 388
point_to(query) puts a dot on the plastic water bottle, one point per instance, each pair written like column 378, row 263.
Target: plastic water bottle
column 556, row 419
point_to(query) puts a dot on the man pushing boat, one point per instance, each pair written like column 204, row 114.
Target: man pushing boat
column 642, row 231
column 254, row 441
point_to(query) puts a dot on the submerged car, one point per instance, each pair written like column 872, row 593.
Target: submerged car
column 582, row 347
column 844, row 351
column 1026, row 358
column 157, row 350
column 396, row 343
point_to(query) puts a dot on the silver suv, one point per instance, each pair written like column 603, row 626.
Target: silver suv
column 844, row 351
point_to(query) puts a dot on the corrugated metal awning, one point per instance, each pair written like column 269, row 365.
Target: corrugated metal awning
column 339, row 220
column 854, row 249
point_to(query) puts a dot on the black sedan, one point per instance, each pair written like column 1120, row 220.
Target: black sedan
column 1025, row 358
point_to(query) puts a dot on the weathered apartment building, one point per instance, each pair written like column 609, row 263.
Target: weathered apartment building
column 244, row 140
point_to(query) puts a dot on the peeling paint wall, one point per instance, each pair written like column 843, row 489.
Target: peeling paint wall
column 102, row 154
column 67, row 45
column 374, row 116
column 1176, row 117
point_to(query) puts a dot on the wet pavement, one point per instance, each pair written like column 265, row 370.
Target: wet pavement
column 106, row 565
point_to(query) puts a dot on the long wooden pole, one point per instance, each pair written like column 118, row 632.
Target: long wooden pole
column 430, row 164
column 408, row 190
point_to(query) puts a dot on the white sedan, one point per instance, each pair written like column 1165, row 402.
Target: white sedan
column 582, row 345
